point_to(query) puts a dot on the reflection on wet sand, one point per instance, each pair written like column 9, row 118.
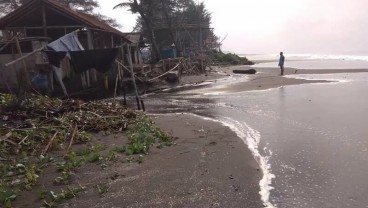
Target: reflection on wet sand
column 312, row 136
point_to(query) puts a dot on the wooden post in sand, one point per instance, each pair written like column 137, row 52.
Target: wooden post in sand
column 133, row 77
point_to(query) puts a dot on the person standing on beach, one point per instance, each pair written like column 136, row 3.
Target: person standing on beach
column 281, row 63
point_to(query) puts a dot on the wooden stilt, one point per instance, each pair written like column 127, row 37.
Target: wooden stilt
column 133, row 77
column 116, row 84
column 143, row 107
column 124, row 92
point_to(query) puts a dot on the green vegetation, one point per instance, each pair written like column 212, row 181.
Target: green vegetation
column 38, row 132
column 144, row 134
column 229, row 59
column 6, row 195
column 102, row 188
column 52, row 199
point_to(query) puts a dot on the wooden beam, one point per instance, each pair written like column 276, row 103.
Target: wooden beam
column 90, row 47
column 136, row 55
column 133, row 77
column 112, row 40
column 23, row 57
column 90, row 39
column 44, row 22
column 48, row 27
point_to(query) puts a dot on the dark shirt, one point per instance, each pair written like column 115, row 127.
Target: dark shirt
column 281, row 60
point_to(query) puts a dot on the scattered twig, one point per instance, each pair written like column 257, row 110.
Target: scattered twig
column 23, row 139
column 6, row 136
column 71, row 139
column 49, row 144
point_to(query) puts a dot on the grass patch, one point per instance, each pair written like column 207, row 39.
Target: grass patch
column 52, row 199
column 144, row 134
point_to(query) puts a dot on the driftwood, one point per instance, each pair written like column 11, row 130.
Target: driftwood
column 244, row 71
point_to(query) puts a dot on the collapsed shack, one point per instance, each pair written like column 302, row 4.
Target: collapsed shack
column 38, row 23
column 48, row 21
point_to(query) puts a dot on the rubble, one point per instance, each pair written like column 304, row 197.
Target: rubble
column 29, row 124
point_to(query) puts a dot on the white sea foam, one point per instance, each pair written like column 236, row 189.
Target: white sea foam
column 251, row 138
column 329, row 57
column 317, row 77
column 268, row 57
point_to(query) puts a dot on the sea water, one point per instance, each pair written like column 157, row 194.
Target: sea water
column 311, row 61
column 310, row 140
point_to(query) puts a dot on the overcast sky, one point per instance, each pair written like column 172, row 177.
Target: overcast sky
column 269, row 26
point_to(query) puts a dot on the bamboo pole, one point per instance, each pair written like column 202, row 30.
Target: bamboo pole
column 23, row 57
column 116, row 84
column 133, row 77
column 128, row 70
column 6, row 44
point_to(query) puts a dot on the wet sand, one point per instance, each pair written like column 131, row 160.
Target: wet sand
column 208, row 167
column 267, row 78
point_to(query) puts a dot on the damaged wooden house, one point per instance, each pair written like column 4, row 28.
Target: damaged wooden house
column 34, row 37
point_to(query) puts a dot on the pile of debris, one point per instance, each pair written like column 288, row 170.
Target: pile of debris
column 38, row 132
column 33, row 124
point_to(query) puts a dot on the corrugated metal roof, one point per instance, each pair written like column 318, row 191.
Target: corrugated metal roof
column 134, row 37
column 84, row 19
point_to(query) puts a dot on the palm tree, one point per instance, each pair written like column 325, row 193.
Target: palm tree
column 145, row 9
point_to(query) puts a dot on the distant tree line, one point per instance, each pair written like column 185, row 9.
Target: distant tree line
column 152, row 14
column 167, row 13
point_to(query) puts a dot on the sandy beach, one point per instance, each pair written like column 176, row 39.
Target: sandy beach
column 267, row 78
column 179, row 104
column 208, row 167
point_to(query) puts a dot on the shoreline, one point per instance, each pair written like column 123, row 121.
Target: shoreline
column 209, row 166
column 266, row 78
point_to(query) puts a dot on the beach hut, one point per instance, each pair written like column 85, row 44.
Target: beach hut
column 40, row 21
